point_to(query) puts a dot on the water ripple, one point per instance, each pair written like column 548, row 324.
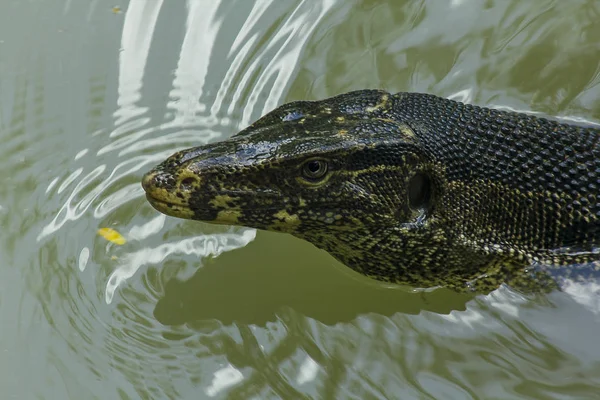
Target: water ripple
column 103, row 180
column 205, row 246
column 138, row 29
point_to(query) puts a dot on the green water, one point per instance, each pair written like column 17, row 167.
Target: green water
column 92, row 96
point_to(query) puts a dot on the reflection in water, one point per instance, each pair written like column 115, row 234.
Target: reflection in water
column 189, row 84
column 105, row 190
column 587, row 294
column 201, row 247
column 142, row 320
column 138, row 28
column 223, row 379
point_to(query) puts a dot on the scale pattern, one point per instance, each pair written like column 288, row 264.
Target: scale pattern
column 406, row 188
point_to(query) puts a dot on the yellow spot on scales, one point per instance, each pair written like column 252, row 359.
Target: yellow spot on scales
column 407, row 131
column 382, row 103
column 228, row 217
column 222, row 200
column 287, row 218
column 285, row 221
column 373, row 169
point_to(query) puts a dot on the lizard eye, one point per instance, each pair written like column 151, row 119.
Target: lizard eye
column 314, row 169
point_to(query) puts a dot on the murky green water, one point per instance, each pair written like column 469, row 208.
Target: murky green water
column 92, row 96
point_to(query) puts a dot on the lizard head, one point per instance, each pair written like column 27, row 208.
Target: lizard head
column 405, row 188
column 317, row 170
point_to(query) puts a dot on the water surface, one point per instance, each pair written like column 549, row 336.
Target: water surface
column 93, row 94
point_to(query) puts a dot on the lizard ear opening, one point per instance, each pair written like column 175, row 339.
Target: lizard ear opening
column 420, row 190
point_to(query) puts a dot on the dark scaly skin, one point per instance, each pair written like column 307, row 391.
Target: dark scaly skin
column 419, row 190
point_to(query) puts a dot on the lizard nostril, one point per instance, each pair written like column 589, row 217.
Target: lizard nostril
column 157, row 180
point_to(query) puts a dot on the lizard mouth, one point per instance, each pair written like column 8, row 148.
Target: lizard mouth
column 169, row 208
column 214, row 215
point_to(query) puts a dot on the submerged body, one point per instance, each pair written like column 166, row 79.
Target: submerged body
column 407, row 188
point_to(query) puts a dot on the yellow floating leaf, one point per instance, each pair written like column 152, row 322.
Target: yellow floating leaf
column 111, row 235
column 116, row 9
